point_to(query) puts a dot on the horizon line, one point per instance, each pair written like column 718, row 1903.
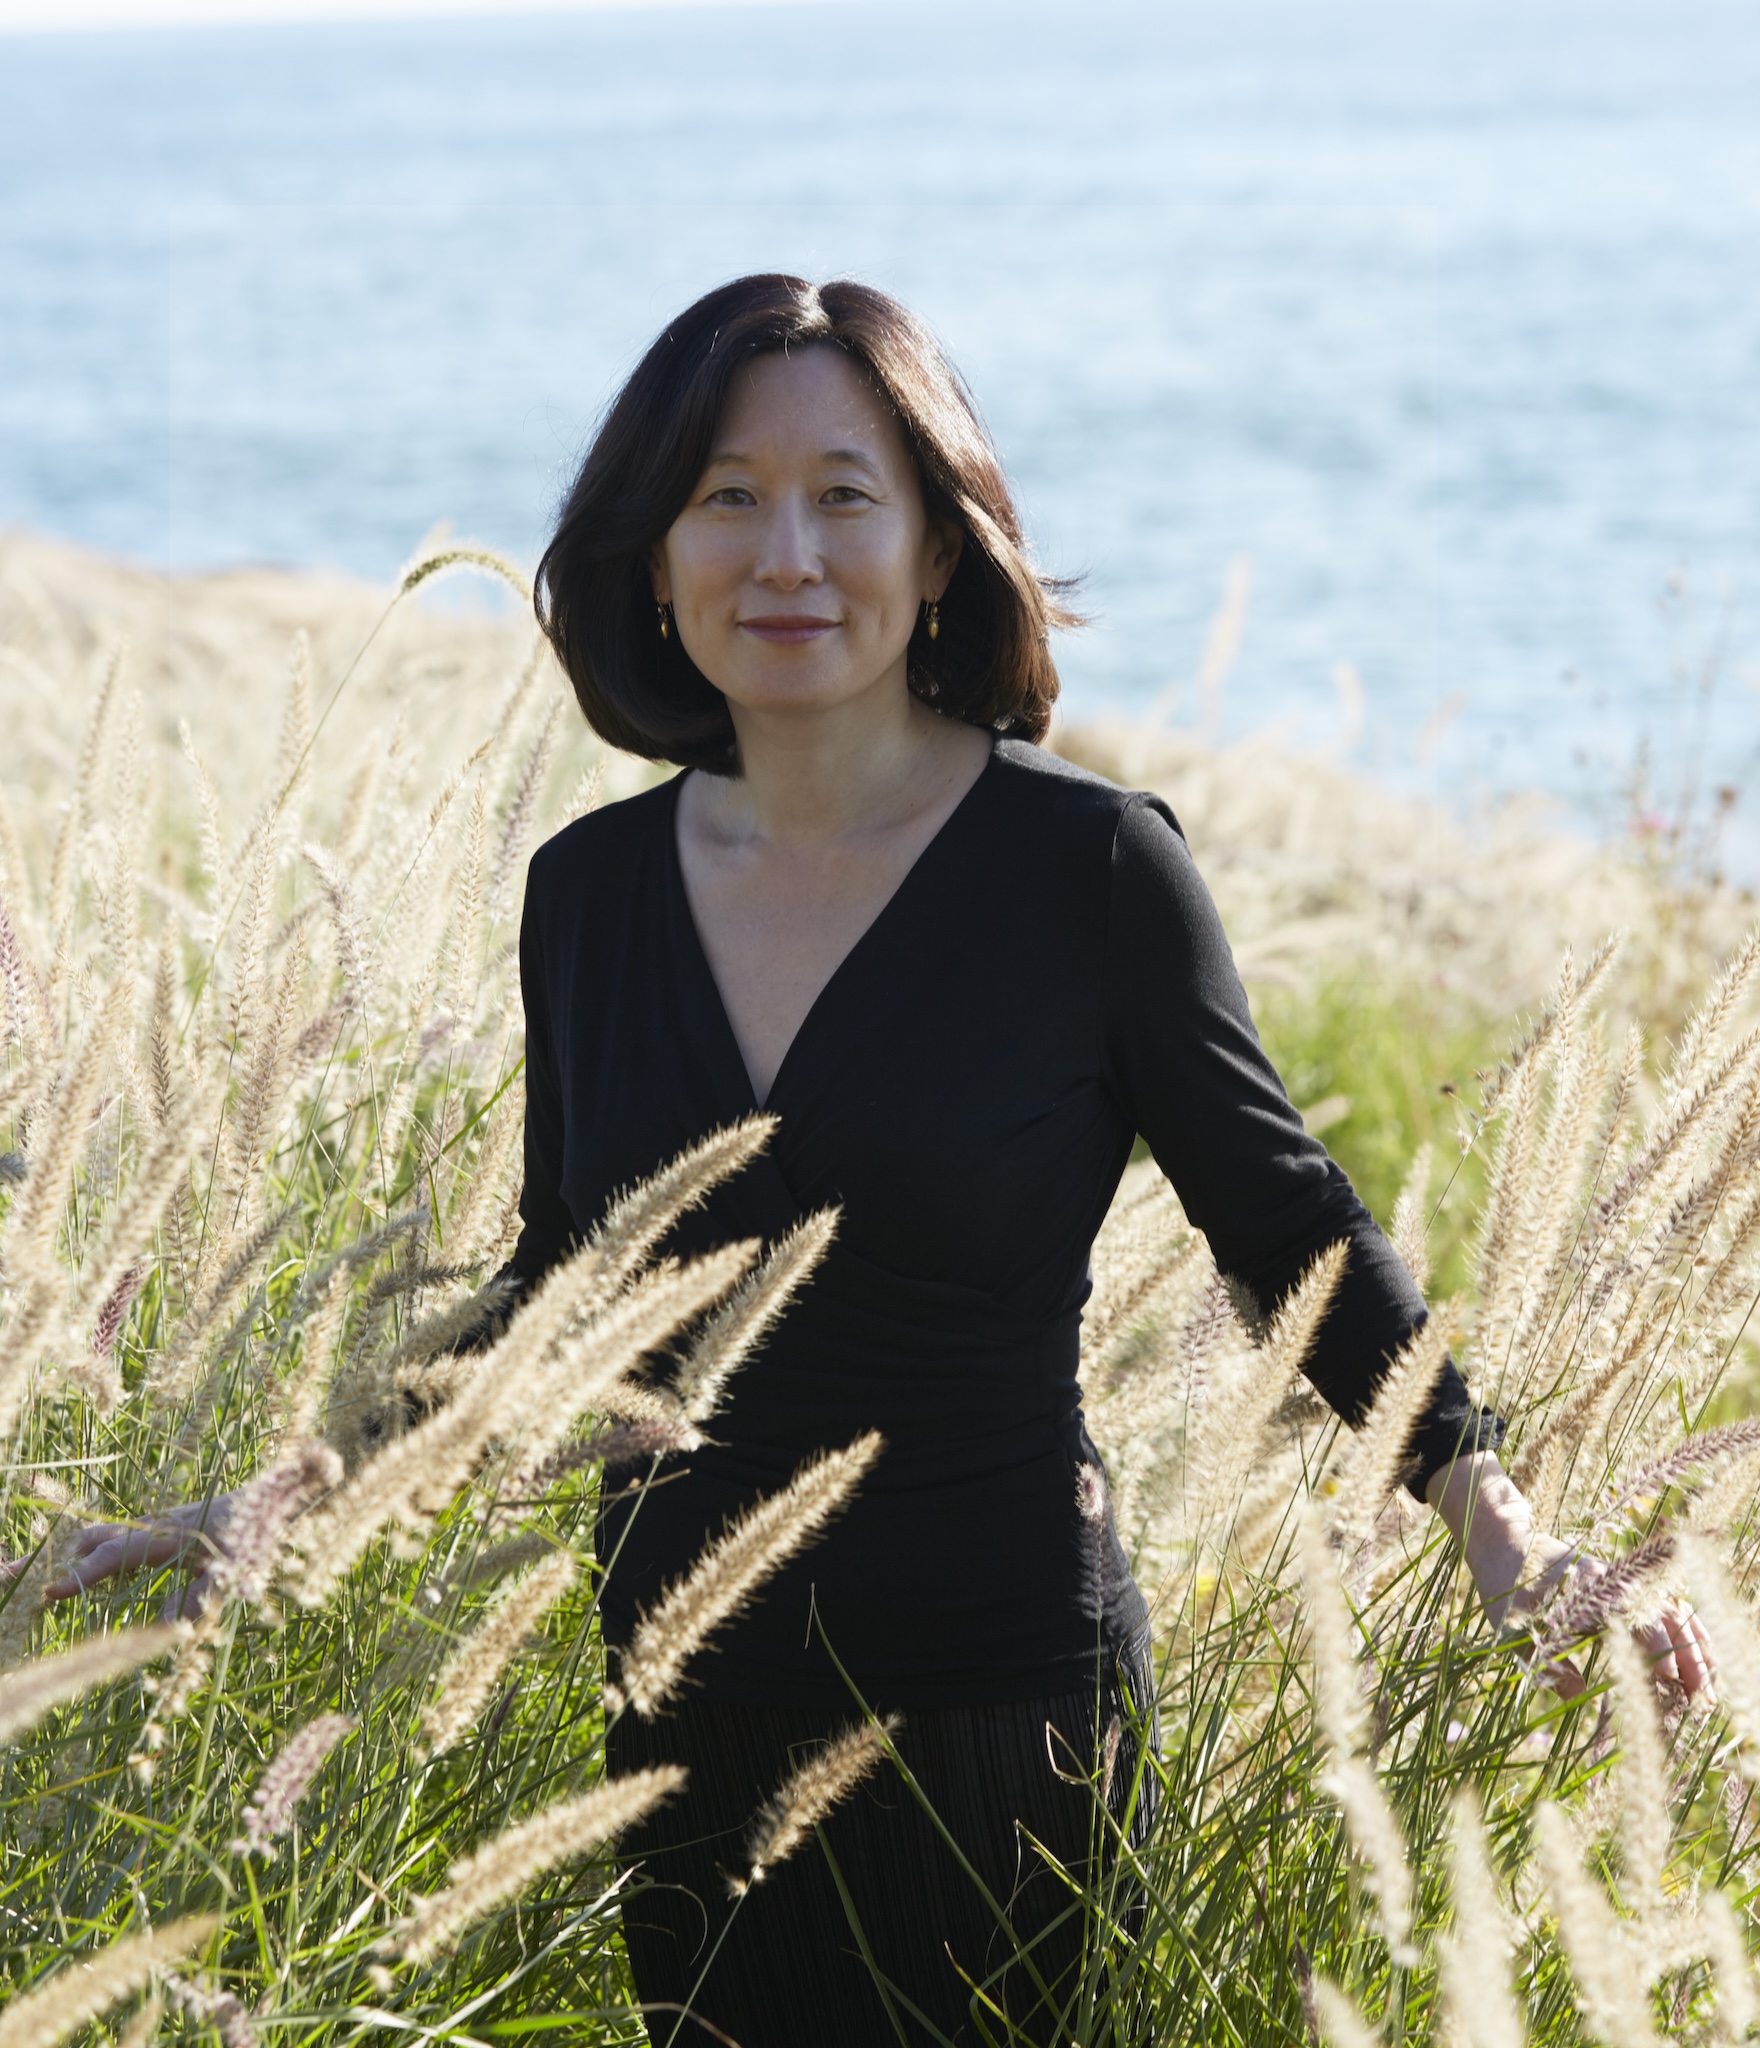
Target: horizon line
column 96, row 17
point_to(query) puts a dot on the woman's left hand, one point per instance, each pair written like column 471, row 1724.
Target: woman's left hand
column 1518, row 1572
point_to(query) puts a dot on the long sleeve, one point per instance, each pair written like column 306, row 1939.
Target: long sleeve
column 1184, row 1057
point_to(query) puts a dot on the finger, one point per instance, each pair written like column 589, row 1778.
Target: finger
column 1689, row 1660
column 1564, row 1678
column 98, row 1536
column 90, row 1570
column 93, row 1537
column 1658, row 1647
column 128, row 1550
column 185, row 1603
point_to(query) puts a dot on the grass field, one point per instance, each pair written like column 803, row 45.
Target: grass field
column 259, row 1117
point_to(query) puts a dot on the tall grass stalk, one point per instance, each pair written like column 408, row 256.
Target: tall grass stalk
column 261, row 1092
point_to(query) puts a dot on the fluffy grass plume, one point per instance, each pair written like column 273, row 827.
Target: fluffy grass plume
column 1644, row 1823
column 1347, row 1775
column 87, row 1986
column 286, row 1780
column 547, row 1371
column 33, row 1689
column 475, row 1667
column 515, row 1858
column 261, row 1104
column 731, row 1570
column 1341, row 2024
column 733, row 1332
column 1610, row 1982
column 829, row 1775
column 1732, row 1967
column 1379, row 1456
column 1731, row 1621
column 1473, row 1955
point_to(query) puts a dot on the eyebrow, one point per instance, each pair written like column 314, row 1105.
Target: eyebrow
column 850, row 456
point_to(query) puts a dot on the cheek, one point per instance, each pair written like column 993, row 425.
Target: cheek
column 888, row 565
column 698, row 570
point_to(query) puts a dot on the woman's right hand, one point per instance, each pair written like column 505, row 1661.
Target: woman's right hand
column 195, row 1530
column 1518, row 1570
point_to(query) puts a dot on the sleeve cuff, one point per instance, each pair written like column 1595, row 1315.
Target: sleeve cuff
column 1455, row 1428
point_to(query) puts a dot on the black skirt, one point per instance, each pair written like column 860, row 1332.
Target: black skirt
column 790, row 1972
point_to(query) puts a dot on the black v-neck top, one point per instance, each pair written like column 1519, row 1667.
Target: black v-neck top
column 1049, row 980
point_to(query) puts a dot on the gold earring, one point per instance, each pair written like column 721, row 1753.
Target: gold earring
column 665, row 612
column 934, row 621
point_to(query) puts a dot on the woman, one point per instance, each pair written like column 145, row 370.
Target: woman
column 964, row 977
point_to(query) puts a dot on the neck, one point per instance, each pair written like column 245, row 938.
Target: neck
column 826, row 772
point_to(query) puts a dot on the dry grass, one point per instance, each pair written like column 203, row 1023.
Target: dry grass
column 260, row 1105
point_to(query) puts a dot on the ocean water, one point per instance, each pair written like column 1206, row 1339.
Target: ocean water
column 1442, row 315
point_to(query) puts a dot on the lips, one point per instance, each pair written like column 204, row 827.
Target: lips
column 787, row 629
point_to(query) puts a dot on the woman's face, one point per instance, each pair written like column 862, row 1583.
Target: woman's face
column 797, row 571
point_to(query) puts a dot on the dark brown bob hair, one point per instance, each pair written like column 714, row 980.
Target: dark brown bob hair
column 990, row 664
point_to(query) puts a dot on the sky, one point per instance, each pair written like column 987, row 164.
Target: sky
column 29, row 16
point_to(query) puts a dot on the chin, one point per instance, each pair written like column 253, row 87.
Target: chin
column 801, row 693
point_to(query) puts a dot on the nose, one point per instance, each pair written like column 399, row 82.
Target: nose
column 788, row 553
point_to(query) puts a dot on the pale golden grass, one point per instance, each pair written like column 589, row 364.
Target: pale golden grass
column 262, row 1030
column 1731, row 1621
column 510, row 1861
column 1375, row 1460
column 1725, row 1941
column 262, row 1515
column 1474, row 1954
column 87, row 1986
column 1247, row 1383
column 730, row 1571
column 1407, row 1228
column 730, row 1335
column 475, row 1666
column 1610, row 1979
column 288, row 1777
column 304, row 1390
column 1341, row 2024
column 145, row 2024
column 1645, row 1828
column 24, row 1598
column 1312, row 865
column 224, row 2011
column 497, row 1560
column 828, row 1776
column 433, row 562
column 31, row 1690
column 638, row 1220
column 1348, row 1777
column 549, row 1368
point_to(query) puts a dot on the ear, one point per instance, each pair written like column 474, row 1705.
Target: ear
column 657, row 573
column 946, row 542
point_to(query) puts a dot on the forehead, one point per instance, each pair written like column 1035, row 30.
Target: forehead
column 810, row 401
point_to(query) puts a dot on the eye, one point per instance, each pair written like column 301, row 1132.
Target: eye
column 846, row 494
column 730, row 494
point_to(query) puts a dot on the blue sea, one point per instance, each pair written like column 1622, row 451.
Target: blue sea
column 1442, row 315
